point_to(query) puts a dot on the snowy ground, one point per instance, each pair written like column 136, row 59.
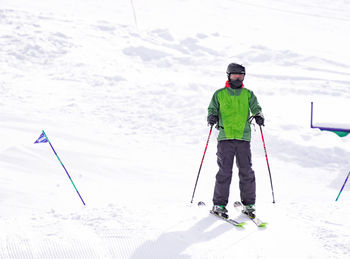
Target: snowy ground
column 124, row 104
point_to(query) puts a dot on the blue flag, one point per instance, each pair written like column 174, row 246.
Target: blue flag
column 41, row 139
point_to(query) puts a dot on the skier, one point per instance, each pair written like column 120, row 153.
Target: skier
column 230, row 109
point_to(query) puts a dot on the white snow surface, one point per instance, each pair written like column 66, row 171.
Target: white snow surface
column 124, row 103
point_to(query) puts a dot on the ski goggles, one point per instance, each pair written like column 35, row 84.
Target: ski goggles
column 237, row 76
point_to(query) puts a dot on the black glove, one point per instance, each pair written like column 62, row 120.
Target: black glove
column 212, row 119
column 259, row 119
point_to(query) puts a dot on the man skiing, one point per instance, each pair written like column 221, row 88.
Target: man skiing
column 230, row 109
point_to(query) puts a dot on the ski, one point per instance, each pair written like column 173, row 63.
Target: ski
column 257, row 221
column 261, row 224
column 228, row 220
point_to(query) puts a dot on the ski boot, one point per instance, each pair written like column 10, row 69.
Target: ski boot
column 220, row 210
column 249, row 210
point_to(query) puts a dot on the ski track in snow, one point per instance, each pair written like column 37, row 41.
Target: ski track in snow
column 125, row 109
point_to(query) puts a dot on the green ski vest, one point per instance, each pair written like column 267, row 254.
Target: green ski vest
column 233, row 107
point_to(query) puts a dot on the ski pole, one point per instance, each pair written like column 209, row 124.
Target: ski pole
column 343, row 186
column 268, row 166
column 200, row 167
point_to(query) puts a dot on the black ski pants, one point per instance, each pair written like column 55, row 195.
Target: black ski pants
column 227, row 150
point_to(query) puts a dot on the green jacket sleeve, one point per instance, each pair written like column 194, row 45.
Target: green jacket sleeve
column 254, row 105
column 214, row 105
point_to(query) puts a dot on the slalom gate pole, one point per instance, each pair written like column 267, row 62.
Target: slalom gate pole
column 200, row 167
column 268, row 166
column 64, row 168
column 343, row 186
column 134, row 12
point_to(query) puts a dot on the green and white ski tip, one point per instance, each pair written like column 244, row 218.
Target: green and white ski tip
column 241, row 225
column 262, row 225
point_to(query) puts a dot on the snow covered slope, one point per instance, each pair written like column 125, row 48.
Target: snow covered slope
column 124, row 104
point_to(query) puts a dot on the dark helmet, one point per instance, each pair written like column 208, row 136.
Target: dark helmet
column 234, row 68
